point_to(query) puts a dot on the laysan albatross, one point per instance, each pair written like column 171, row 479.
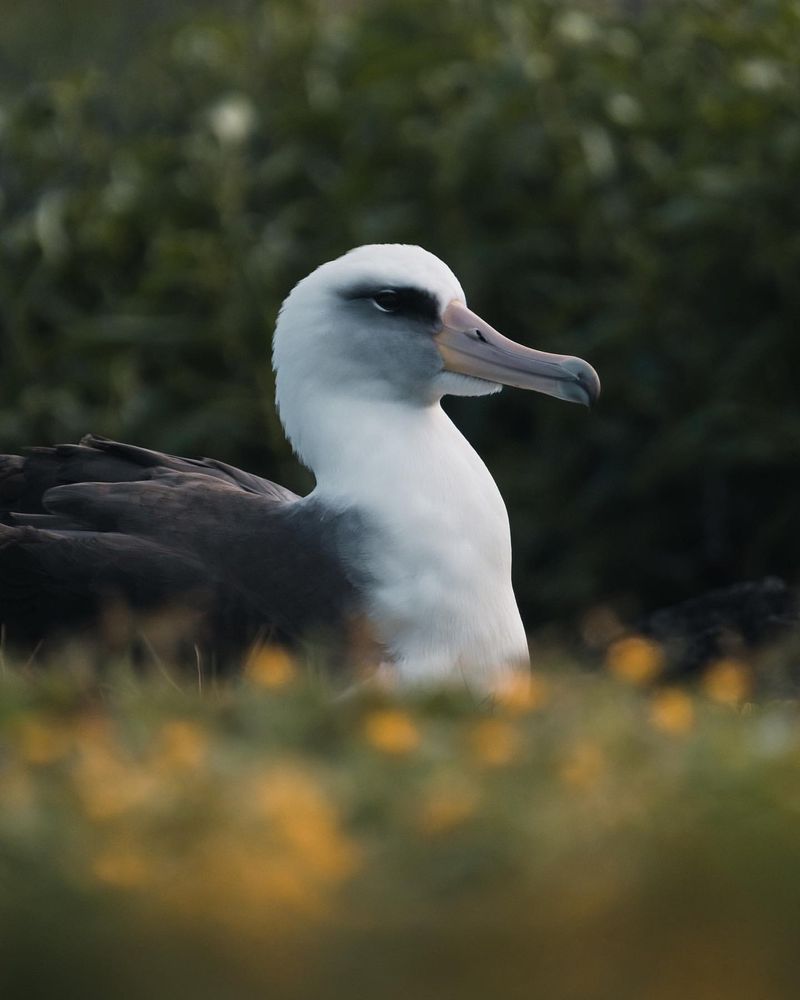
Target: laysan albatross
column 405, row 536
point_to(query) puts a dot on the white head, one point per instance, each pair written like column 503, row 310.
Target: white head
column 388, row 323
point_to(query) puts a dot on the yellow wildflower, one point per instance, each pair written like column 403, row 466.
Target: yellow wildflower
column 109, row 787
column 672, row 711
column 523, row 692
column 246, row 883
column 495, row 742
column 280, row 859
column 728, row 682
column 270, row 667
column 303, row 821
column 391, row 731
column 635, row 659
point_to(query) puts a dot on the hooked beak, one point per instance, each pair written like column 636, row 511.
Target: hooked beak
column 469, row 346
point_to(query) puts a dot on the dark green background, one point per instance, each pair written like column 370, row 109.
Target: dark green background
column 619, row 182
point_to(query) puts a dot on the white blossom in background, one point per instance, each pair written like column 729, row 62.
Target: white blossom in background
column 49, row 226
column 124, row 186
column 576, row 27
column 232, row 119
column 759, row 74
column 624, row 109
column 539, row 65
column 598, row 150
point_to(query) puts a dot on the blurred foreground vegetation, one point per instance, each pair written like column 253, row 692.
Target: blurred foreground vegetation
column 613, row 180
column 588, row 837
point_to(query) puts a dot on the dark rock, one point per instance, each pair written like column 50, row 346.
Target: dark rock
column 729, row 621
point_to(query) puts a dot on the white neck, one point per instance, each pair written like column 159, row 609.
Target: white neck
column 440, row 556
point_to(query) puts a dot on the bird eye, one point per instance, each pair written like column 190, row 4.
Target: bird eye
column 387, row 301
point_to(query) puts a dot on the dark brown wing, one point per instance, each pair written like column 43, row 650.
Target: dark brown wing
column 56, row 584
column 99, row 519
column 24, row 479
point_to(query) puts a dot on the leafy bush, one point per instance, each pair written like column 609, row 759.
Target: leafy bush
column 615, row 185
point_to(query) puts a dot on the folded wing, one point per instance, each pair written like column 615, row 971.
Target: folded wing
column 104, row 524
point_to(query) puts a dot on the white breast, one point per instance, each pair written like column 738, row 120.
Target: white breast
column 440, row 554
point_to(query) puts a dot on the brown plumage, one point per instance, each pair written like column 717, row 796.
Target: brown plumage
column 102, row 524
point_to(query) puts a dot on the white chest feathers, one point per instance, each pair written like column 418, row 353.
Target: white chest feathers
column 439, row 553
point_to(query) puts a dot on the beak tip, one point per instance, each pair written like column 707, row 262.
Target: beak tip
column 587, row 382
column 592, row 390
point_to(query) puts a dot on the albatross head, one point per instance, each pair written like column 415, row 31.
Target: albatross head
column 389, row 323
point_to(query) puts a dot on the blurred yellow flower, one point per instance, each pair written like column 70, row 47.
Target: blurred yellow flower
column 635, row 659
column 181, row 745
column 270, row 667
column 246, row 885
column 108, row 787
column 495, row 742
column 391, row 731
column 728, row 682
column 583, row 766
column 672, row 711
column 278, row 858
column 521, row 693
column 303, row 821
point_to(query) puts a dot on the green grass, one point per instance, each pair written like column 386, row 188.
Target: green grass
column 588, row 838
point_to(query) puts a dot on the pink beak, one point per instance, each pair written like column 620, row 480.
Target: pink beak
column 469, row 346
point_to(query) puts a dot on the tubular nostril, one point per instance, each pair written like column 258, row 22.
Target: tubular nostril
column 480, row 336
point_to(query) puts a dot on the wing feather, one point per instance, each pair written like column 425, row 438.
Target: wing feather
column 105, row 518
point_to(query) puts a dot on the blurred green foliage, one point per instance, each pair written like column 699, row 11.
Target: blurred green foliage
column 586, row 840
column 615, row 182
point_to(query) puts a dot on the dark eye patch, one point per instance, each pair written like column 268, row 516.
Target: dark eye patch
column 409, row 302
